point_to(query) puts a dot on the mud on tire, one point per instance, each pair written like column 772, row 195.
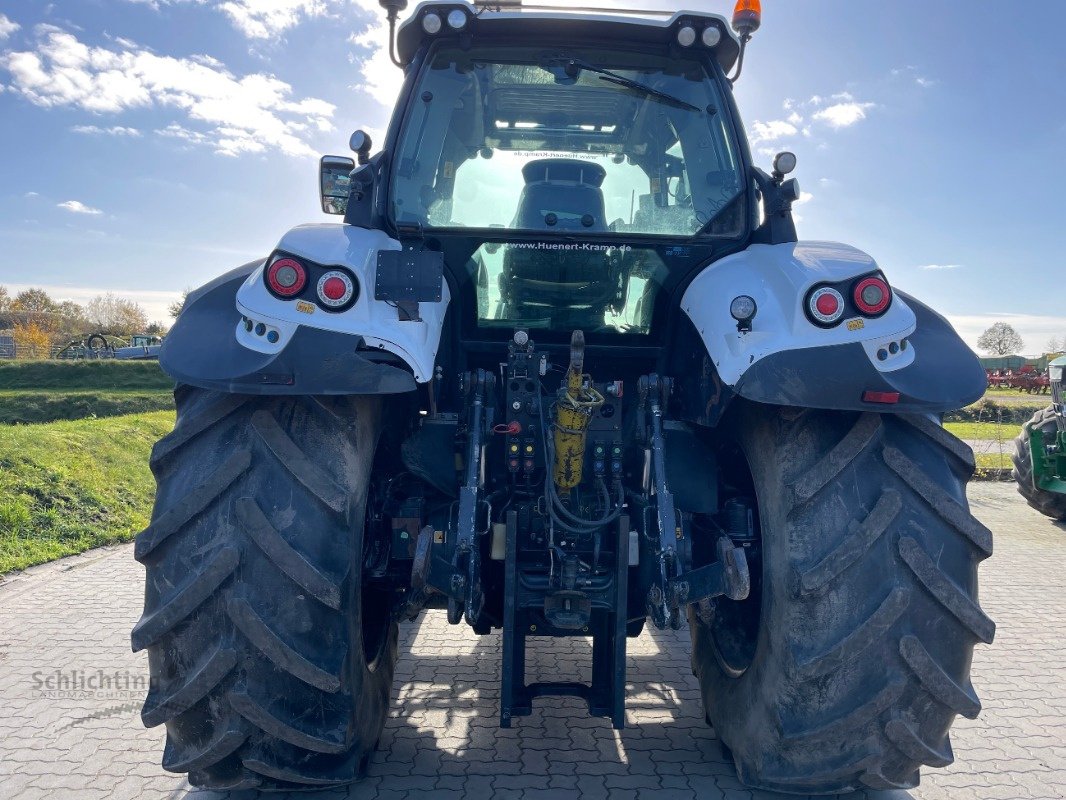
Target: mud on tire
column 271, row 662
column 868, row 614
column 1049, row 503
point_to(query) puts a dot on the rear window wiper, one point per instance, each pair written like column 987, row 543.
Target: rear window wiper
column 573, row 64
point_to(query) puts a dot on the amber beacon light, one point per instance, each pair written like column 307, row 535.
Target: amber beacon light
column 747, row 17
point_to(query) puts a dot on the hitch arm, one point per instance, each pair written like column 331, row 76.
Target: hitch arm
column 467, row 557
column 654, row 391
column 728, row 577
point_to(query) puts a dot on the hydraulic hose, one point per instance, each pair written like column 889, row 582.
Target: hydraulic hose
column 557, row 510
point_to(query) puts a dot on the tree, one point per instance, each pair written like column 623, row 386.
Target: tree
column 68, row 309
column 5, row 300
column 31, row 341
column 176, row 307
column 155, row 329
column 34, row 301
column 116, row 315
column 1000, row 340
column 1056, row 345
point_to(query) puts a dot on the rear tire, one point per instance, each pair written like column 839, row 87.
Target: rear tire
column 1051, row 504
column 271, row 662
column 865, row 625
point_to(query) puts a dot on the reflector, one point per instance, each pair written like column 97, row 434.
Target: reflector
column 887, row 398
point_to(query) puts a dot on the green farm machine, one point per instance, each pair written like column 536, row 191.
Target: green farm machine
column 1040, row 452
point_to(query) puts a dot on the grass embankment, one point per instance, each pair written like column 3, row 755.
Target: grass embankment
column 46, row 391
column 69, row 486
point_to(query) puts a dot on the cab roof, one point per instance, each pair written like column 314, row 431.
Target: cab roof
column 484, row 21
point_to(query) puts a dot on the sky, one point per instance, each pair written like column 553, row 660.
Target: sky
column 149, row 145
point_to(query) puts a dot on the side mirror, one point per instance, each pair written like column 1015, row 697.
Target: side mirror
column 361, row 145
column 335, row 181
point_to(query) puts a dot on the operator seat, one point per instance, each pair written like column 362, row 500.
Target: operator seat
column 566, row 188
column 560, row 288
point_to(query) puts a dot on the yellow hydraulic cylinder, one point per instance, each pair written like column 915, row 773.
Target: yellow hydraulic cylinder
column 576, row 403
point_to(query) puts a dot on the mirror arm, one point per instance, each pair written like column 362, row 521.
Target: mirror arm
column 740, row 59
column 778, row 227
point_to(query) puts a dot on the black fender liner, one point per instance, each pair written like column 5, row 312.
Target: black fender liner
column 201, row 350
column 944, row 376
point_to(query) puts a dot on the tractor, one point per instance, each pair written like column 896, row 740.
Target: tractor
column 141, row 347
column 563, row 369
column 1040, row 451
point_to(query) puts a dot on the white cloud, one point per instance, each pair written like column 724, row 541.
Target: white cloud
column 911, row 70
column 805, row 197
column 382, row 79
column 7, row 27
column 115, row 130
column 78, row 207
column 940, row 266
column 772, row 131
column 266, row 19
column 269, row 19
column 842, row 115
column 31, row 195
column 251, row 113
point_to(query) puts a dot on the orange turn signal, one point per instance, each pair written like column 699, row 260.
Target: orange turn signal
column 747, row 17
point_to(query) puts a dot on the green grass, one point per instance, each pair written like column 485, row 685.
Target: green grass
column 983, row 430
column 66, row 487
column 29, row 406
column 104, row 376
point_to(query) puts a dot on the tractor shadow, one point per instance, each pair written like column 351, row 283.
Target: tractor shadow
column 443, row 729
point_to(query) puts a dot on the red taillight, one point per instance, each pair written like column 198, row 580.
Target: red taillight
column 286, row 277
column 335, row 289
column 872, row 296
column 826, row 305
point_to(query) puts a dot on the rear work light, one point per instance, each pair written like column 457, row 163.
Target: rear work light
column 286, row 277
column 872, row 296
column 825, row 306
column 335, row 290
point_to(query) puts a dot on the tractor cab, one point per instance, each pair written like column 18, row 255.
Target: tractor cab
column 569, row 166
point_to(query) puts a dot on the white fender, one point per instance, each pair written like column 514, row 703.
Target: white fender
column 778, row 277
column 376, row 321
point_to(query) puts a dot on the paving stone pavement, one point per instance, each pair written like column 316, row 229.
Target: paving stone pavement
column 73, row 618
